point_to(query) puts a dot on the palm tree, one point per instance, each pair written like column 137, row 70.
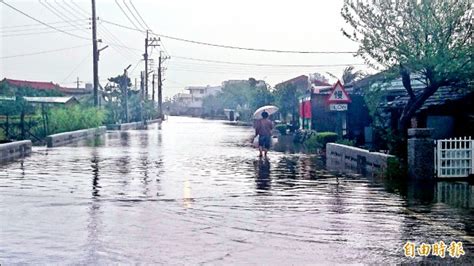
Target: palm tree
column 349, row 75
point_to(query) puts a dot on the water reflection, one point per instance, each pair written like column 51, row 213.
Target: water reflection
column 262, row 170
column 95, row 174
column 456, row 194
column 159, row 192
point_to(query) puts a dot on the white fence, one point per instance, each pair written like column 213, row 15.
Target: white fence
column 454, row 157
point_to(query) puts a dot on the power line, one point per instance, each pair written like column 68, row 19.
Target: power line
column 262, row 65
column 230, row 46
column 64, row 27
column 125, row 13
column 103, row 31
column 75, row 68
column 138, row 13
column 39, row 21
column 33, row 33
column 58, row 13
column 43, row 52
column 128, row 8
column 4, row 28
column 136, row 65
column 79, row 8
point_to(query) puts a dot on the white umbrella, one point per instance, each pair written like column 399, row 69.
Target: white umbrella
column 270, row 109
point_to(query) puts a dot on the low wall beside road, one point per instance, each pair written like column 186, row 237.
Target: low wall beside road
column 355, row 160
column 14, row 150
column 66, row 138
column 126, row 126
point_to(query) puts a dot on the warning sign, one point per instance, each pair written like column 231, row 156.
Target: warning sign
column 338, row 94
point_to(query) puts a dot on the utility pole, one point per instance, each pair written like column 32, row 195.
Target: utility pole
column 161, row 59
column 148, row 43
column 146, row 65
column 95, row 57
column 142, row 86
column 125, row 89
column 153, row 90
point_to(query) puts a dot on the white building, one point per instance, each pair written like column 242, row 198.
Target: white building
column 198, row 93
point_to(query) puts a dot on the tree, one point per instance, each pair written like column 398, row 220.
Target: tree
column 348, row 75
column 286, row 97
column 426, row 40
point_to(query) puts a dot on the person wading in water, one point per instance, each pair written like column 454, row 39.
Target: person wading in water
column 263, row 130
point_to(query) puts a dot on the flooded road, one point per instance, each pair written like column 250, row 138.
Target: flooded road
column 192, row 191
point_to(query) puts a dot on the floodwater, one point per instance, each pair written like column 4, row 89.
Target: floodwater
column 193, row 191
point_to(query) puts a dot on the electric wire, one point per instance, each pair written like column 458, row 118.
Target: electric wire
column 41, row 22
column 133, row 15
column 261, row 65
column 138, row 13
column 26, row 26
column 76, row 67
column 101, row 28
column 79, row 8
column 33, row 33
column 43, row 52
column 125, row 13
column 231, row 46
column 58, row 13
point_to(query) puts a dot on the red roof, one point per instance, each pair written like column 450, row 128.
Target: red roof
column 33, row 84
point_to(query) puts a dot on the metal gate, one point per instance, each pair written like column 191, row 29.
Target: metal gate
column 454, row 157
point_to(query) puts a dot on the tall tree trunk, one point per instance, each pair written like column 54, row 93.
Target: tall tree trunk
column 412, row 106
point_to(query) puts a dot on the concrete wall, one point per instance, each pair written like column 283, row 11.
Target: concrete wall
column 355, row 160
column 14, row 150
column 126, row 126
column 66, row 138
column 151, row 121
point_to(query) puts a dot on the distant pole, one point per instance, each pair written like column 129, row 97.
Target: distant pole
column 125, row 88
column 95, row 55
column 145, row 55
column 160, row 110
column 77, row 82
column 153, row 90
column 142, row 89
column 142, row 82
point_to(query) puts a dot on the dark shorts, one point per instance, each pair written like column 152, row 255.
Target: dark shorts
column 265, row 141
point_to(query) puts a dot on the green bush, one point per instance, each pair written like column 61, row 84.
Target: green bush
column 74, row 118
column 319, row 141
column 346, row 142
column 281, row 128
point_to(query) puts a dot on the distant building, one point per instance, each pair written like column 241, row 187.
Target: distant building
column 303, row 83
column 47, row 86
column 198, row 93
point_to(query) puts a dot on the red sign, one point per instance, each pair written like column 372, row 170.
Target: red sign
column 338, row 94
column 305, row 109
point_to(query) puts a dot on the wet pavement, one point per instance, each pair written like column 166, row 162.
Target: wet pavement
column 193, row 191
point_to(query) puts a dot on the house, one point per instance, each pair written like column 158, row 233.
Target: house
column 449, row 111
column 198, row 93
column 51, row 101
column 180, row 103
column 47, row 86
column 304, row 85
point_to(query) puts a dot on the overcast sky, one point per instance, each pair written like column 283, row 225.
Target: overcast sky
column 303, row 25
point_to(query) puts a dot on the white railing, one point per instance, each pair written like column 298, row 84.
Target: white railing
column 454, row 157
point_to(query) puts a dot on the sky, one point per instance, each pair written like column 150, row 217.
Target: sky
column 32, row 51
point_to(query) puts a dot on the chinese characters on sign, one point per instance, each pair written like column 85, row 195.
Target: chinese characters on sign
column 455, row 249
